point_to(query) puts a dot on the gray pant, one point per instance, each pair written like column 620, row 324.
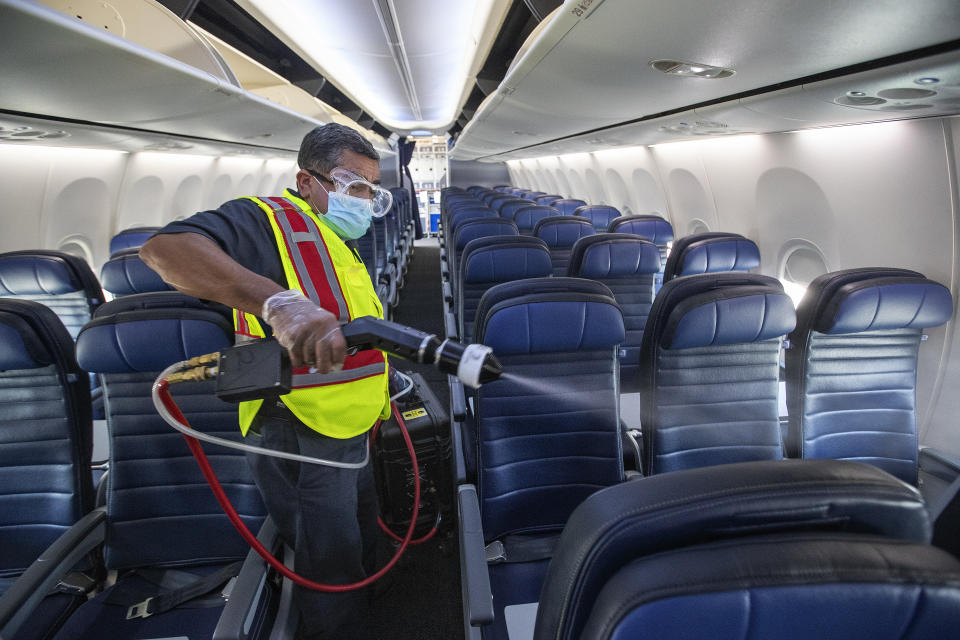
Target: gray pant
column 326, row 514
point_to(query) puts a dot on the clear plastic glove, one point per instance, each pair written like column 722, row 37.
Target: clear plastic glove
column 311, row 334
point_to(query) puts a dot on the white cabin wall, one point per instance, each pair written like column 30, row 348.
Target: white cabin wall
column 77, row 199
column 819, row 200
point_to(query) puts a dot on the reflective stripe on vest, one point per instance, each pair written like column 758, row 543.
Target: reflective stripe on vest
column 310, row 267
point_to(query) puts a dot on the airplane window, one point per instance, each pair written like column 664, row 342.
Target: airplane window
column 697, row 226
column 77, row 246
column 802, row 261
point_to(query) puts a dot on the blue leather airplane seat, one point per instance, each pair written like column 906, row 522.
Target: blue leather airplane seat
column 561, row 233
column 567, row 206
column 528, row 217
column 627, row 265
column 386, row 261
column 709, row 371
column 489, row 261
column 599, row 215
column 502, row 188
column 533, row 195
column 788, row 549
column 46, row 445
column 495, row 201
column 132, row 238
column 711, row 252
column 852, row 366
column 451, row 209
column 653, row 228
column 369, row 251
column 125, row 273
column 462, row 214
column 548, row 199
column 163, row 524
column 509, row 208
column 471, row 230
column 58, row 280
column 548, row 436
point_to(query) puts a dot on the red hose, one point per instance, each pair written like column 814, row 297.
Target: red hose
column 383, row 525
column 163, row 391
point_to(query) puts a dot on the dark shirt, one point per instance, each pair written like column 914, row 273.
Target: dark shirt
column 241, row 229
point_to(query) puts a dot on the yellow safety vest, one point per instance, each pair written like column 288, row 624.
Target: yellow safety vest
column 316, row 262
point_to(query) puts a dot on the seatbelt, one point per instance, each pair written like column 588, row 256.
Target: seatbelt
column 166, row 599
column 522, row 548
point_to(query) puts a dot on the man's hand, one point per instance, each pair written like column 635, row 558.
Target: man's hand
column 311, row 334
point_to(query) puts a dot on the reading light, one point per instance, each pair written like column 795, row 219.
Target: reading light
column 691, row 69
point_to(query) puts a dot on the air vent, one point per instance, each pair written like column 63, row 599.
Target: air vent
column 24, row 133
column 906, row 93
column 691, row 69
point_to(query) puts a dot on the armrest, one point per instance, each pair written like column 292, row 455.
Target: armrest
column 248, row 589
column 458, row 400
column 450, row 324
column 18, row 603
column 447, row 291
column 457, row 407
column 474, row 579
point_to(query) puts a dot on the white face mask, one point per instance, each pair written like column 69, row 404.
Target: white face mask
column 347, row 215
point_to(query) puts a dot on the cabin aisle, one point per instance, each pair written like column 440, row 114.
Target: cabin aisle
column 420, row 598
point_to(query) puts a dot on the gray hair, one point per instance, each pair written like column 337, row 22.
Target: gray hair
column 322, row 149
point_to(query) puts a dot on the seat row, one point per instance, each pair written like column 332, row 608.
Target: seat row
column 154, row 521
column 544, row 442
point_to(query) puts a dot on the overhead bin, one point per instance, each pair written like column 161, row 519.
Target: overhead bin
column 58, row 67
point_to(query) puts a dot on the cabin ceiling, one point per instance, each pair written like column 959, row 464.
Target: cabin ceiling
column 586, row 79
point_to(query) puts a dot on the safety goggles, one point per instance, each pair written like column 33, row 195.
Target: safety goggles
column 351, row 184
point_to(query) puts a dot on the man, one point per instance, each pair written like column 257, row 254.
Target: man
column 288, row 263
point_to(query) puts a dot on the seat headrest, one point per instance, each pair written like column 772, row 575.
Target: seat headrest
column 483, row 227
column 884, row 304
column 653, row 228
column 567, row 206
column 145, row 341
column 551, row 322
column 530, row 215
column 125, row 273
column 674, row 510
column 499, row 258
column 517, row 289
column 719, row 254
column 733, row 315
column 611, row 255
column 26, row 274
column 562, row 231
column 131, row 238
column 597, row 212
column 20, row 346
column 159, row 300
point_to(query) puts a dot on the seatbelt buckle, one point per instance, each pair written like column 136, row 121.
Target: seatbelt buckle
column 495, row 552
column 140, row 610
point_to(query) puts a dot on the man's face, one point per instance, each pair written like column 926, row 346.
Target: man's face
column 315, row 190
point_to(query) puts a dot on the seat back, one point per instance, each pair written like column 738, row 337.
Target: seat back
column 711, row 253
column 550, row 434
column 491, row 260
column 547, row 200
column 46, row 429
column 368, row 249
column 125, row 273
column 709, row 371
column 567, row 206
column 852, row 366
column 653, row 228
column 792, row 548
column 533, row 195
column 599, row 215
column 627, row 265
column 132, row 238
column 473, row 229
column 561, row 233
column 461, row 215
column 58, row 280
column 160, row 513
column 509, row 208
column 528, row 217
